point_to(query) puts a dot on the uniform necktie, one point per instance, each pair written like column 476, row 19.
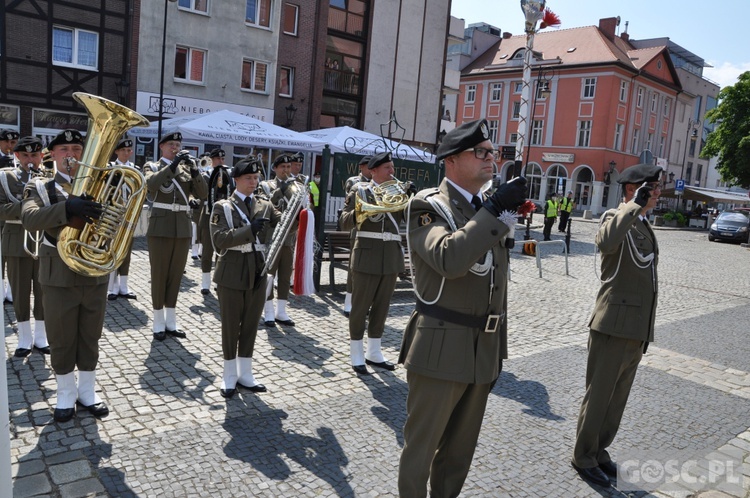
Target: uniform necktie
column 248, row 202
column 476, row 202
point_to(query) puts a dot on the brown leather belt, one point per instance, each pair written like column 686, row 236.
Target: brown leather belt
column 488, row 323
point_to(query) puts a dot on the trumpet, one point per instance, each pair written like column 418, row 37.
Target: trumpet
column 391, row 196
column 205, row 162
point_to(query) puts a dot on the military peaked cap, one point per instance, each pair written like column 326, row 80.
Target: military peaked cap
column 247, row 165
column 641, row 173
column 378, row 159
column 28, row 144
column 66, row 137
column 176, row 136
column 463, row 137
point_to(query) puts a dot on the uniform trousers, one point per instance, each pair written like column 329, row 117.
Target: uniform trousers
column 22, row 274
column 167, row 256
column 610, row 371
column 440, row 435
column 75, row 317
column 373, row 293
column 283, row 266
column 124, row 268
column 564, row 216
column 549, row 222
column 240, row 312
column 204, row 236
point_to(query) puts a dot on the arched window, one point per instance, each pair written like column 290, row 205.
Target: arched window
column 534, row 179
column 557, row 178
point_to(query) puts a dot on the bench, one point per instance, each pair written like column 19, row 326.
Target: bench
column 338, row 249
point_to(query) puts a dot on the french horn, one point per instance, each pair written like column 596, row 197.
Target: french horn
column 100, row 247
column 390, row 197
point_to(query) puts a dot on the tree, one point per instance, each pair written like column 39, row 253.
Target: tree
column 730, row 141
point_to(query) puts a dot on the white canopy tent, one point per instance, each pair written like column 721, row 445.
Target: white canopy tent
column 345, row 139
column 232, row 128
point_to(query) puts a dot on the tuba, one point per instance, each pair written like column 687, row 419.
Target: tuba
column 390, row 197
column 100, row 247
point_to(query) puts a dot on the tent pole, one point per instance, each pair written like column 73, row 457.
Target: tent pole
column 320, row 222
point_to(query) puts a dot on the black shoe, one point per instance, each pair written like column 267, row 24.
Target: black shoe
column 288, row 323
column 111, row 297
column 22, row 353
column 63, row 414
column 346, row 314
column 128, row 295
column 176, row 333
column 594, row 475
column 205, row 292
column 360, row 369
column 44, row 350
column 609, row 468
column 257, row 388
column 387, row 365
column 227, row 393
column 160, row 336
column 269, row 323
column 10, row 301
column 98, row 410
column 195, row 257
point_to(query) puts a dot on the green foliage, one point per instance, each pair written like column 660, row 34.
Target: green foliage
column 674, row 215
column 730, row 141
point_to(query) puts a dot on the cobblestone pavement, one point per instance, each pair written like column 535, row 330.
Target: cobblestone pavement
column 322, row 431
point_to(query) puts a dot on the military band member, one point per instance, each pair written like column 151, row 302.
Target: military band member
column 240, row 227
column 171, row 181
column 296, row 161
column 280, row 190
column 118, row 279
column 364, row 176
column 455, row 340
column 8, row 140
column 621, row 328
column 74, row 304
column 220, row 186
column 377, row 259
column 23, row 269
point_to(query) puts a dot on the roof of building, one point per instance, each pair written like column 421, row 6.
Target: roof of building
column 587, row 45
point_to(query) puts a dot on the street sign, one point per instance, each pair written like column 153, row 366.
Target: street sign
column 679, row 186
column 508, row 152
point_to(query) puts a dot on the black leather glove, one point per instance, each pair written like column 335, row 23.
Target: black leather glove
column 508, row 196
column 411, row 189
column 181, row 156
column 194, row 203
column 257, row 225
column 642, row 195
column 6, row 161
column 83, row 208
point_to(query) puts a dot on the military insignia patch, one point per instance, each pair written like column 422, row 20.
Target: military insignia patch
column 26, row 194
column 485, row 131
column 425, row 219
column 215, row 218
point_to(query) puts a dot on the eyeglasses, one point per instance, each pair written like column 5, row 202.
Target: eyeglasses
column 654, row 185
column 481, row 153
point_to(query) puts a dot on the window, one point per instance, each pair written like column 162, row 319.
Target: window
column 349, row 16
column 618, row 136
column 497, row 92
column 653, row 102
column 623, row 91
column 639, row 100
column 516, row 110
column 471, row 94
column 636, row 139
column 291, row 17
column 493, row 130
column 649, row 141
column 189, row 64
column 584, row 133
column 699, row 175
column 254, row 75
column 536, row 132
column 667, row 105
column 688, row 173
column 194, row 5
column 517, row 86
column 513, row 138
column 258, row 13
column 589, row 88
column 286, row 81
column 661, row 146
column 75, row 48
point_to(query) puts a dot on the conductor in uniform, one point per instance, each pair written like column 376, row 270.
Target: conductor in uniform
column 23, row 269
column 456, row 339
column 171, row 181
column 240, row 226
column 377, row 259
column 74, row 304
column 220, row 186
column 622, row 323
column 118, row 279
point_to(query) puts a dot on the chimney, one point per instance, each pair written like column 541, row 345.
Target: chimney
column 608, row 27
column 625, row 36
column 507, row 35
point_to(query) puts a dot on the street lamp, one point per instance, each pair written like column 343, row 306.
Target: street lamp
column 544, row 90
column 161, row 80
column 291, row 110
column 122, row 87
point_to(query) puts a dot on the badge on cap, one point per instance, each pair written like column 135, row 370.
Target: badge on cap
column 485, row 131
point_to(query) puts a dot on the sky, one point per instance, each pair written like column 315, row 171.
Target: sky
column 710, row 30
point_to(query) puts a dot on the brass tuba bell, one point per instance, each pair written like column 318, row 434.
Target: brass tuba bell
column 100, row 247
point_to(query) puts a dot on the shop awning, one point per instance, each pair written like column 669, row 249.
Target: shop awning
column 708, row 195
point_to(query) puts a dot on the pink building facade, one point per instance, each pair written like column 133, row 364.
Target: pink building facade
column 599, row 105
